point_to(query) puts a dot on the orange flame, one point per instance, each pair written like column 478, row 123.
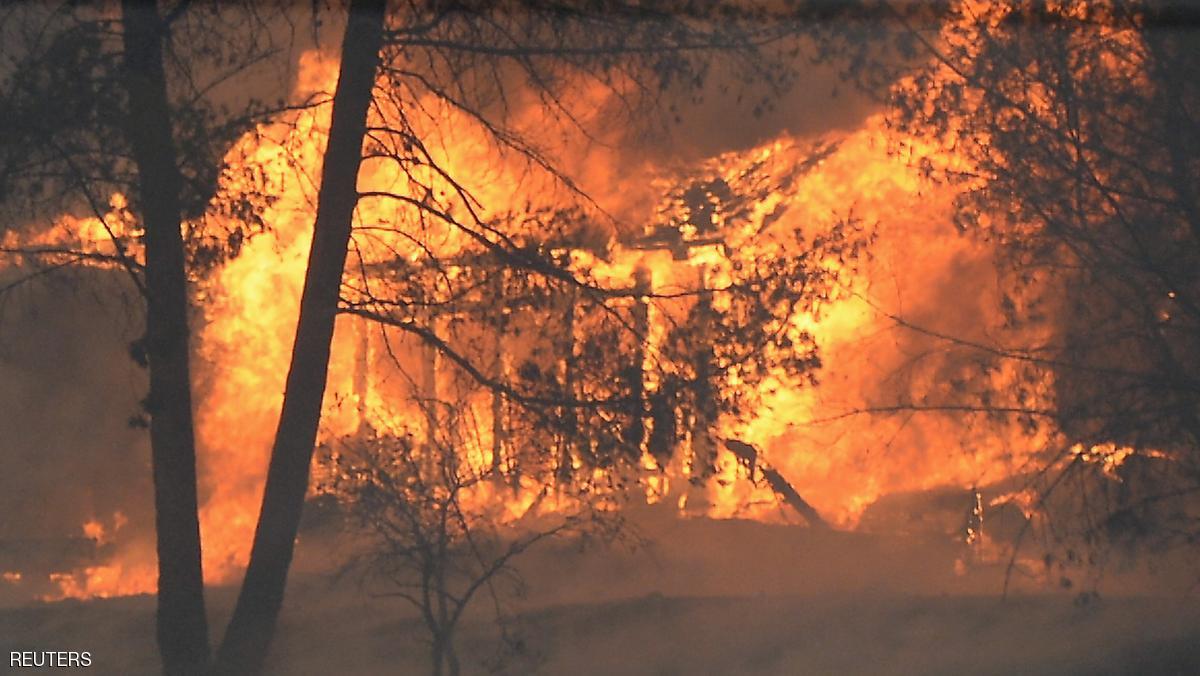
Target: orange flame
column 841, row 466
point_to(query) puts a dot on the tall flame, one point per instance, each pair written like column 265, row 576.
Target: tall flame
column 918, row 268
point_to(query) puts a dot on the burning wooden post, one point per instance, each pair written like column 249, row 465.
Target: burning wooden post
column 703, row 451
column 500, row 372
column 635, row 435
column 567, row 414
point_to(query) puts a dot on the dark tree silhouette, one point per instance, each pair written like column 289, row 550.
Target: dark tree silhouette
column 182, row 624
column 90, row 111
column 244, row 647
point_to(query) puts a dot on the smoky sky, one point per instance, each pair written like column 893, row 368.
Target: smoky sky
column 68, row 393
column 731, row 114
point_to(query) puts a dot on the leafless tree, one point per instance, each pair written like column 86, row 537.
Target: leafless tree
column 439, row 535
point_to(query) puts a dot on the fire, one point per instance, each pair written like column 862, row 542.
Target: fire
column 94, row 530
column 243, row 339
column 917, row 266
column 74, row 238
column 106, row 581
column 127, row 571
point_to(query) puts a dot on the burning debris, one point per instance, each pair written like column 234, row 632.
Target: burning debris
column 749, row 457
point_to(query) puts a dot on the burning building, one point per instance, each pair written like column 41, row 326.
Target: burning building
column 919, row 315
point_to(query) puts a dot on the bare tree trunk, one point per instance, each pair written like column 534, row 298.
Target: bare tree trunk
column 182, row 625
column 249, row 634
column 429, row 395
column 451, row 655
column 437, row 657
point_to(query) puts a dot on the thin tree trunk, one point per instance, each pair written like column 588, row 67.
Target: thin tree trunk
column 437, row 657
column 429, row 397
column 451, row 655
column 182, row 626
column 248, row 636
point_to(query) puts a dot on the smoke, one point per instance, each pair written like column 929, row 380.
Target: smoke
column 731, row 115
column 708, row 597
column 69, row 392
